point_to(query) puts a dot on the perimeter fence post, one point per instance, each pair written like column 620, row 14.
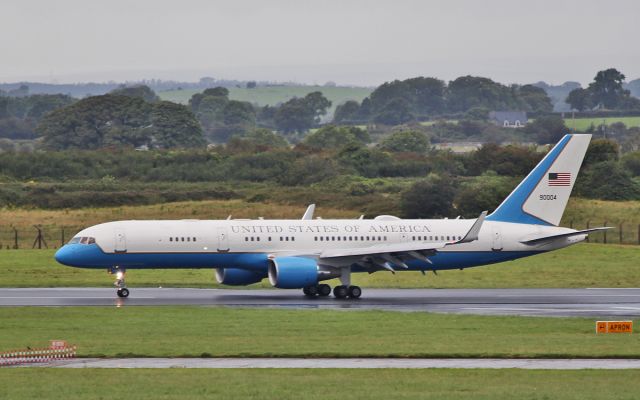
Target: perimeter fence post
column 589, row 235
column 605, row 233
column 620, row 232
column 15, row 238
column 571, row 224
column 62, row 236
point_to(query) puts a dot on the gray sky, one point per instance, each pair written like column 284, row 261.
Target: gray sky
column 346, row 41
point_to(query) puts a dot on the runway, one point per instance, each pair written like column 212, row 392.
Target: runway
column 618, row 303
column 351, row 363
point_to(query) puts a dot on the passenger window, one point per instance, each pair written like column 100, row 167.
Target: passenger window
column 171, row 239
column 182, row 239
column 286, row 238
column 269, row 238
column 293, row 238
column 188, row 239
column 194, row 239
column 246, row 239
column 258, row 239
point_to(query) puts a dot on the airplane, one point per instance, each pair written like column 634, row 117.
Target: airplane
column 300, row 254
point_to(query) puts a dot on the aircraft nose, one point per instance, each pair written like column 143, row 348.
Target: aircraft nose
column 65, row 255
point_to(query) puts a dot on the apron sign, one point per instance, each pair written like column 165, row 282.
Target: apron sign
column 614, row 326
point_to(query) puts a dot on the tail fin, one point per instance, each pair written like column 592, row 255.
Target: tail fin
column 542, row 196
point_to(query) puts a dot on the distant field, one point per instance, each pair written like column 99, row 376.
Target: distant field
column 312, row 384
column 583, row 265
column 582, row 124
column 273, row 95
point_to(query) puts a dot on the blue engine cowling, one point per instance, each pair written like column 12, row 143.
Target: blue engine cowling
column 293, row 272
column 238, row 277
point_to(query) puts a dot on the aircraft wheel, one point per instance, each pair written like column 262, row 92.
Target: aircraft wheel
column 324, row 290
column 310, row 291
column 355, row 292
column 340, row 292
column 124, row 292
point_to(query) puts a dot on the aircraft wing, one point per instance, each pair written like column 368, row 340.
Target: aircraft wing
column 388, row 256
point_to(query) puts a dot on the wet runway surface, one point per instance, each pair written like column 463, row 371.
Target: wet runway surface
column 619, row 303
column 344, row 363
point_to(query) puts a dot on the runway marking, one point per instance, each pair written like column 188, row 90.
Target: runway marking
column 360, row 363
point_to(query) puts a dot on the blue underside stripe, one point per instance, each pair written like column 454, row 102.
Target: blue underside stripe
column 91, row 256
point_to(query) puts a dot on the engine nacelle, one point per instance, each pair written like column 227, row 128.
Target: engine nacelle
column 238, row 277
column 293, row 272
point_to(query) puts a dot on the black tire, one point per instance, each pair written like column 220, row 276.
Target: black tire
column 324, row 290
column 355, row 292
column 124, row 292
column 310, row 291
column 340, row 292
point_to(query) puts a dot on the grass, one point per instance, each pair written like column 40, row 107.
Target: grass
column 285, row 384
column 190, row 331
column 583, row 265
column 582, row 124
column 272, row 95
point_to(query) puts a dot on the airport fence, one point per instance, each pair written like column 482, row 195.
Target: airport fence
column 52, row 237
column 36, row 237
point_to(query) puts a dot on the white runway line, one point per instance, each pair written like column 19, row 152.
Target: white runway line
column 350, row 363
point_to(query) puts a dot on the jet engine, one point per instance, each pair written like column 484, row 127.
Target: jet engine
column 238, row 277
column 297, row 272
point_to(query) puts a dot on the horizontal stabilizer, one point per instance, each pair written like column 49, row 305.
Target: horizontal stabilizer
column 563, row 235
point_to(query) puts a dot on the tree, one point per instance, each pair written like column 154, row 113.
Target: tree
column 336, row 137
column 601, row 150
column 534, row 99
column 423, row 96
column 347, row 112
column 484, row 192
column 256, row 140
column 251, row 85
column 406, row 142
column 547, row 129
column 301, row 114
column 467, row 92
column 239, row 113
column 173, row 125
column 141, row 91
column 429, row 198
column 580, row 99
column 397, row 111
column 607, row 181
column 111, row 120
column 607, row 89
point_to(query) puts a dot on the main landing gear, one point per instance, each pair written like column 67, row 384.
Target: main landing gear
column 120, row 283
column 339, row 292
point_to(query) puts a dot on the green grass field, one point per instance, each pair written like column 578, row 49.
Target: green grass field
column 583, row 265
column 190, row 331
column 285, row 384
column 582, row 124
column 272, row 95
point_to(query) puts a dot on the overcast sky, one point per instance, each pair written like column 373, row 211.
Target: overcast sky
column 346, row 41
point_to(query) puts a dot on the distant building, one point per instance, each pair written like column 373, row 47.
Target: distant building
column 508, row 119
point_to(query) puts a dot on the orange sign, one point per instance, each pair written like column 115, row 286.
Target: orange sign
column 614, row 326
column 58, row 344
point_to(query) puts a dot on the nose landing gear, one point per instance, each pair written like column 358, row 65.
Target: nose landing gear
column 120, row 282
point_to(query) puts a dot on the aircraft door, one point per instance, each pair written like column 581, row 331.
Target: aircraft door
column 496, row 235
column 223, row 240
column 120, row 241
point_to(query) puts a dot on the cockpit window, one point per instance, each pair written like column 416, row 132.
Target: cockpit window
column 82, row 240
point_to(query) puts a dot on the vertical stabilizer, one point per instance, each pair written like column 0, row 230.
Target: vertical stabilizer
column 542, row 196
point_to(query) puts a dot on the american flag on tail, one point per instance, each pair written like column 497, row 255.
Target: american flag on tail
column 559, row 178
